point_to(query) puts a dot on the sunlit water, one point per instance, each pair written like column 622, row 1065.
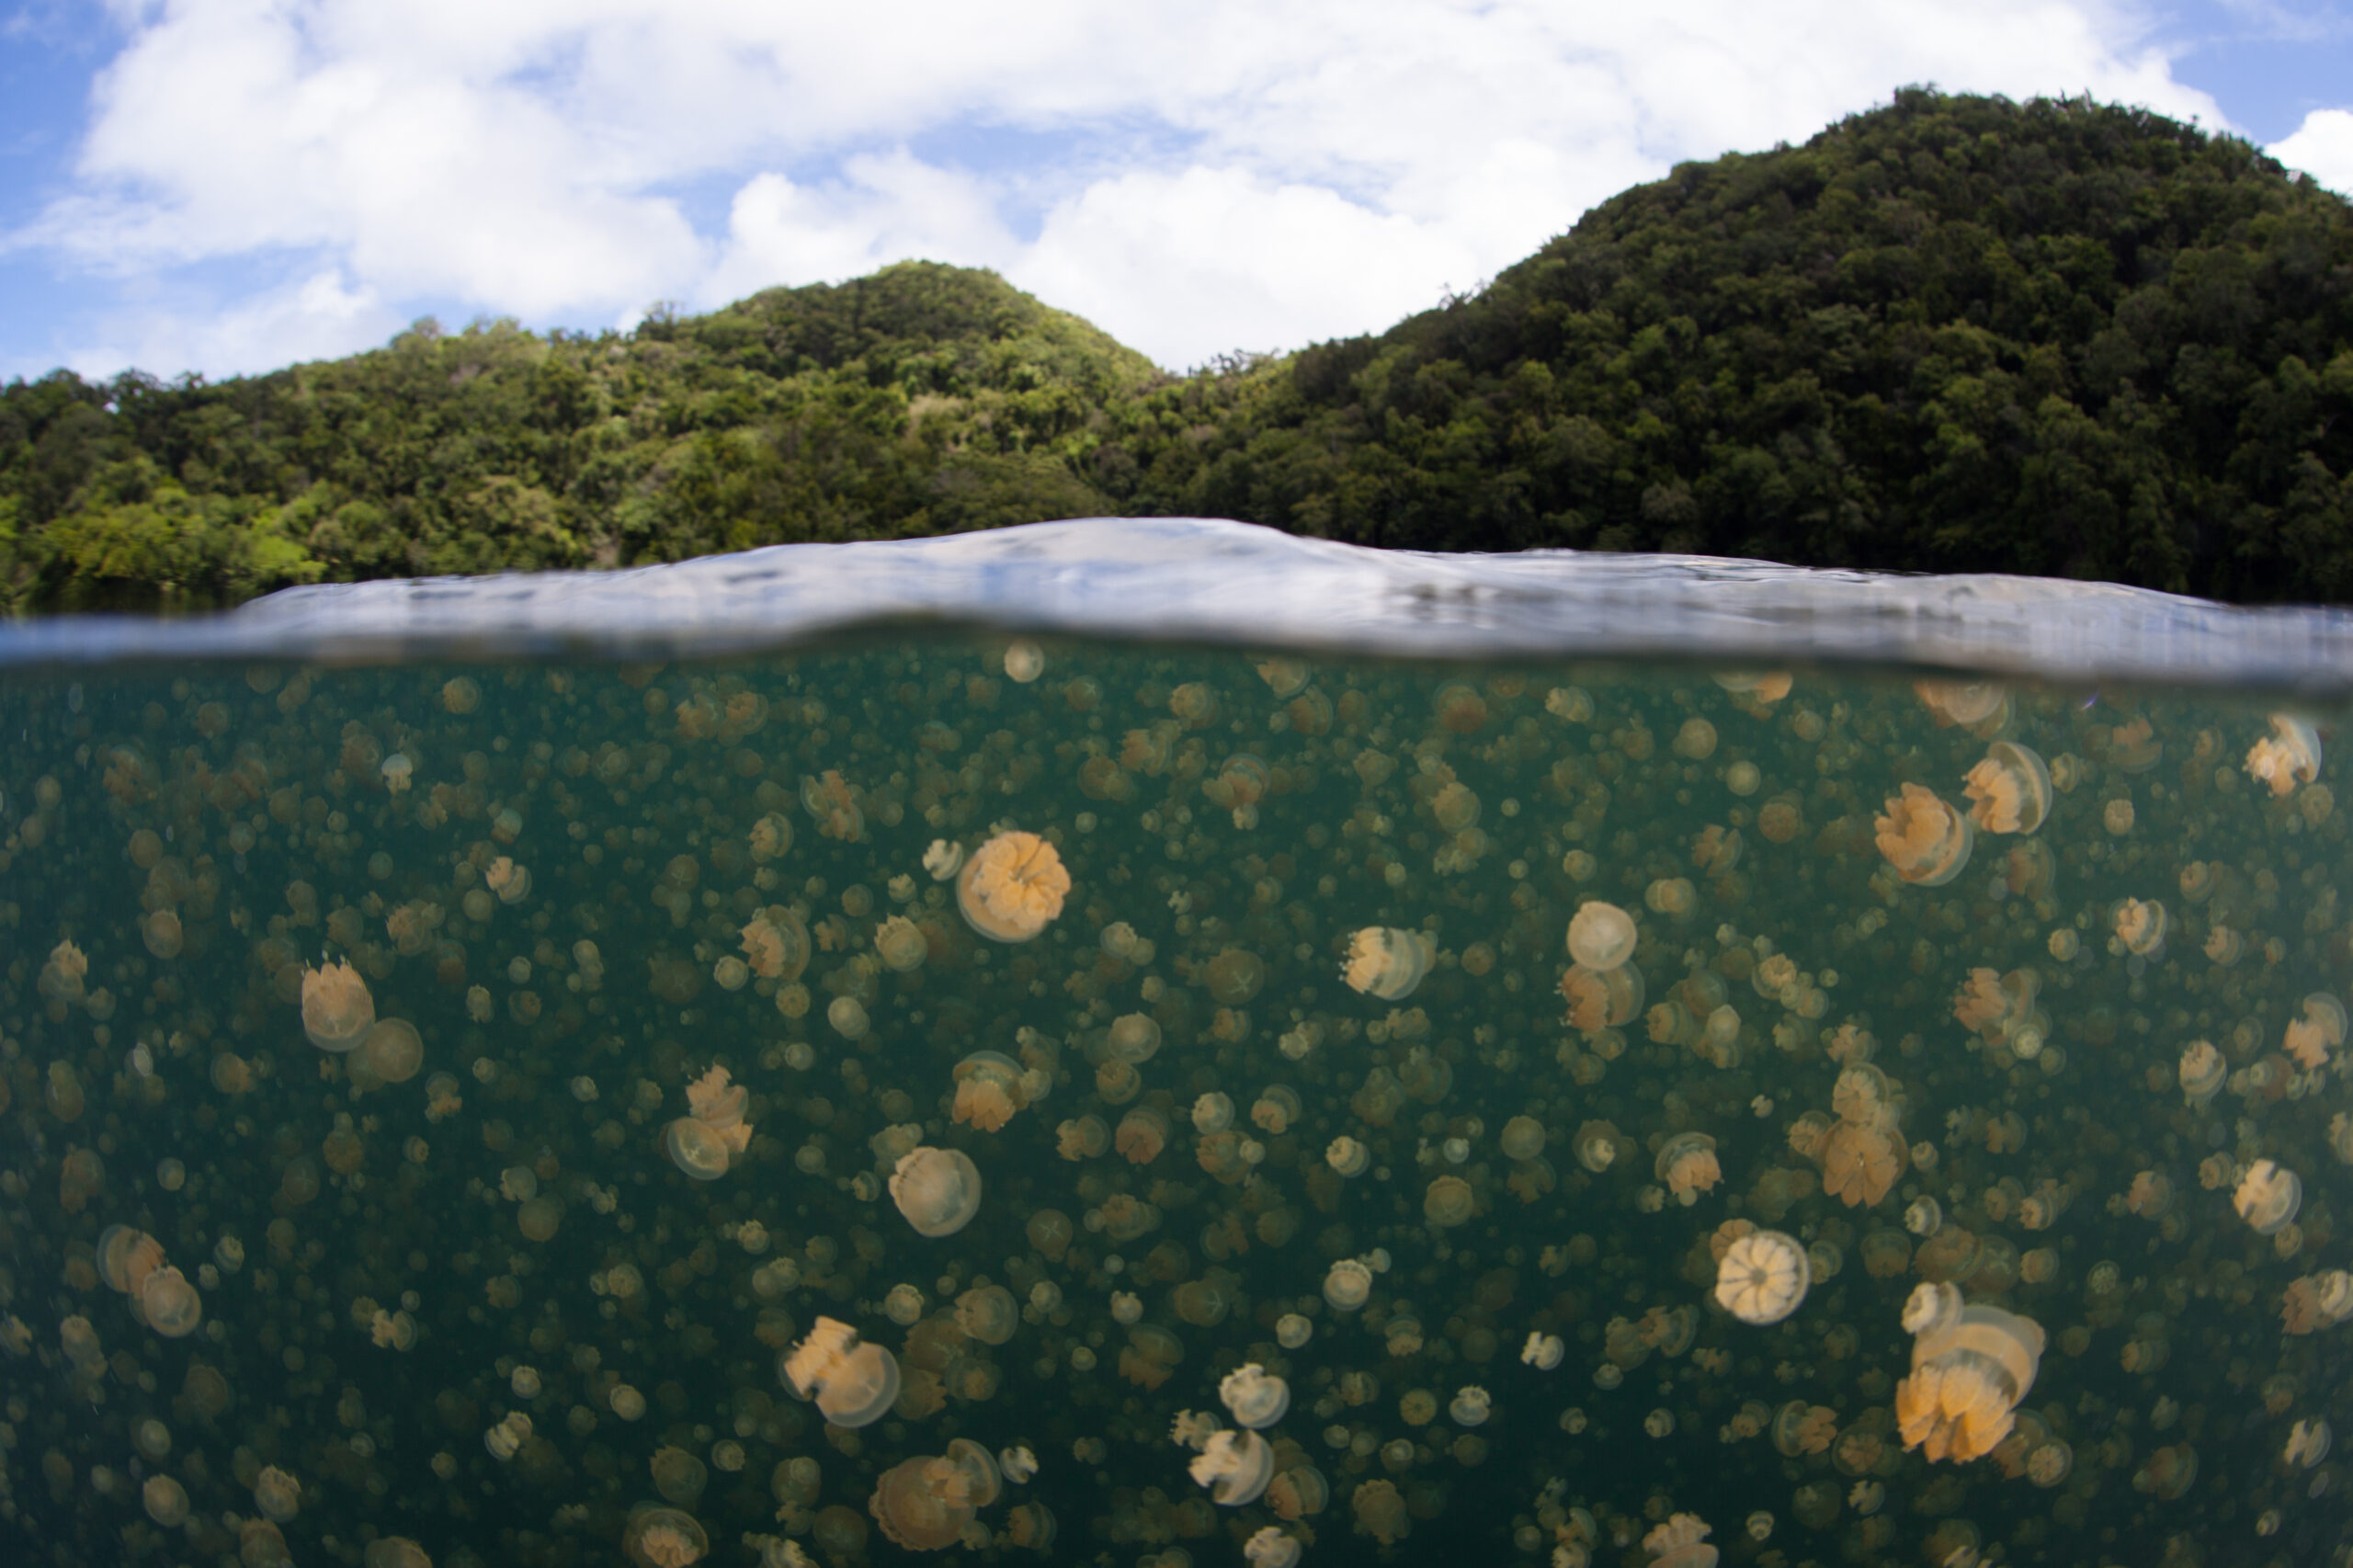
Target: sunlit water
column 549, row 870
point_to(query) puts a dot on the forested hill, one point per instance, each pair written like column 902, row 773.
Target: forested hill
column 1954, row 333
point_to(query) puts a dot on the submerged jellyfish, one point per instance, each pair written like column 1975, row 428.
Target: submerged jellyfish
column 1012, row 886
column 1681, row 1542
column 336, row 1008
column 2320, row 1030
column 2202, row 1072
column 1348, row 1285
column 853, row 1383
column 2287, row 756
column 2267, row 1197
column 937, row 1189
column 2009, row 791
column 1763, row 1276
column 1256, row 1397
column 1971, row 1366
column 1687, row 1162
column 1236, row 1466
column 1601, row 936
column 1923, row 837
column 1387, row 962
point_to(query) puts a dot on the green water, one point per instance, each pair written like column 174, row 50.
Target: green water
column 201, row 837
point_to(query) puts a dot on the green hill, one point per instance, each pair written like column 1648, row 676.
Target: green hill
column 1953, row 333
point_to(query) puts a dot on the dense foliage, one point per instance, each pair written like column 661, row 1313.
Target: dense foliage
column 1954, row 333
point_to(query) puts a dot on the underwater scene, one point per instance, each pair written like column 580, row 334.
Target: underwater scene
column 1166, row 1106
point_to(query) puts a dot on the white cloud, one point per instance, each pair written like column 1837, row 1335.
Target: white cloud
column 313, row 317
column 2323, row 148
column 1229, row 171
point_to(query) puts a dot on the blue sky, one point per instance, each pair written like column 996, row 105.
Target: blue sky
column 224, row 185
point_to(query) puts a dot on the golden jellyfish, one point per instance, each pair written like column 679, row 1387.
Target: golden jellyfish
column 657, row 1537
column 165, row 1500
column 694, row 1149
column 2267, row 1197
column 1387, row 962
column 1347, row 1285
column 1142, row 1134
column 854, row 1383
column 392, row 1052
column 678, row 1475
column 1598, row 1145
column 1681, row 1542
column 1133, row 1038
column 1256, row 1397
column 1236, row 1467
column 1523, row 1138
column 1601, row 936
column 899, row 942
column 126, row 1258
column 1971, row 1367
column 160, row 932
column 170, row 1303
column 1270, row 1548
column 989, row 1090
column 338, row 1011
column 1380, row 1511
column 1449, row 1202
column 394, row 1552
column 1981, row 706
column 1602, row 999
column 775, row 943
column 1012, row 886
column 2287, row 756
column 988, row 1315
column 2202, row 1072
column 1687, row 1162
column 1923, row 837
column 2319, row 1031
column 2009, row 791
column 1763, row 1276
column 938, row 1190
column 2141, row 926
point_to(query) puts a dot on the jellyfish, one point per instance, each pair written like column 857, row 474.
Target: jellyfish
column 337, row 1009
column 170, row 1303
column 1923, row 837
column 1387, row 962
column 1348, row 1285
column 1256, row 1397
column 988, row 1315
column 2320, row 1030
column 165, row 1500
column 1763, row 1276
column 2267, row 1197
column 1470, row 1407
column 1681, row 1542
column 1236, row 1466
column 2202, row 1072
column 2141, row 926
column 989, row 1090
column 2308, row 1443
column 2009, row 791
column 1270, row 1548
column 1971, row 1366
column 1602, row 936
column 1543, row 1351
column 392, row 1052
column 1449, row 1201
column 2287, row 756
column 1597, row 1144
column 1012, row 887
column 1687, row 1162
column 937, row 1189
column 657, row 1537
column 853, row 1383
column 277, row 1495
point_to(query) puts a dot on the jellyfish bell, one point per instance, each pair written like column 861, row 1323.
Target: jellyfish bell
column 1763, row 1276
column 1923, row 837
column 2267, row 1197
column 2009, row 791
column 2202, row 1072
column 1256, row 1398
column 338, row 1011
column 1387, row 962
column 2289, row 755
column 1601, row 936
column 1236, row 1467
column 1681, row 1542
column 170, row 1303
column 1012, row 887
column 392, row 1052
column 696, row 1149
column 1971, row 1367
column 1687, row 1162
column 938, row 1190
column 658, row 1537
column 854, row 1383
column 1348, row 1285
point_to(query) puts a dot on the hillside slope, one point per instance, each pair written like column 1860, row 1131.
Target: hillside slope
column 1952, row 334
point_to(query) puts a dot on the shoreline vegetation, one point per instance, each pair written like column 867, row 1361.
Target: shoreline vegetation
column 1953, row 333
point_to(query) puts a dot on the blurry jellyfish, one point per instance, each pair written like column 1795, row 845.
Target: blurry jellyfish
column 1133, row 1038
column 704, row 1140
column 1387, row 962
column 1763, row 1276
column 899, row 942
column 1923, row 837
column 1523, row 1138
column 1449, row 1201
column 989, row 1090
column 1347, row 1156
column 1024, row 662
column 165, row 1500
column 1270, row 1548
column 1256, row 1398
column 2009, row 791
column 2320, row 1030
column 2202, row 1072
column 657, row 1537
column 2289, row 755
column 1971, row 1366
column 853, row 1383
column 336, row 1008
column 1012, row 887
column 1543, row 1351
column 2308, row 1443
column 1292, row 1331
column 1687, row 1162
column 1596, row 1144
column 1236, row 1466
column 277, row 1495
column 1681, row 1542
column 1348, row 1285
column 392, row 1052
column 2141, row 926
column 938, row 1190
column 170, row 1305
column 2267, row 1197
column 1602, row 936
column 1470, row 1407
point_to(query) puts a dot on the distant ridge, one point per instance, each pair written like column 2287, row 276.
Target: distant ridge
column 1954, row 333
